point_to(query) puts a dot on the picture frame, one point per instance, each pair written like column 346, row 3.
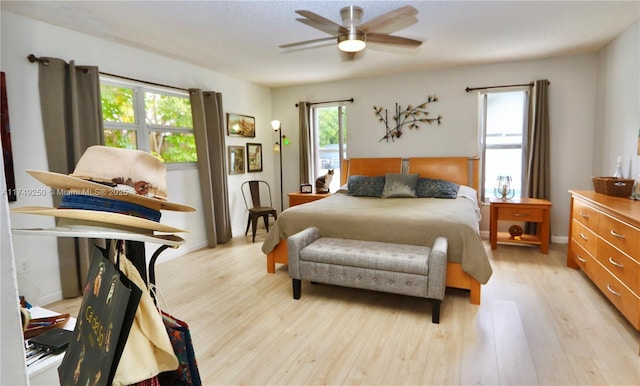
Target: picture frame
column 239, row 125
column 254, row 157
column 236, row 159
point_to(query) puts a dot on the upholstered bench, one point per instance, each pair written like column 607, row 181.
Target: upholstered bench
column 395, row 268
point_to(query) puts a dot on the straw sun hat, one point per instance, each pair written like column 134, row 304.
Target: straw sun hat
column 111, row 187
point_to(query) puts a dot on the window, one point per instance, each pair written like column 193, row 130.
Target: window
column 330, row 141
column 503, row 128
column 153, row 120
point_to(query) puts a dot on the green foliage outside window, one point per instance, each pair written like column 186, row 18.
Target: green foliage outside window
column 328, row 126
column 117, row 104
column 168, row 122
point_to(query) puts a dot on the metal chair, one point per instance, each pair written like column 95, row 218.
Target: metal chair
column 258, row 206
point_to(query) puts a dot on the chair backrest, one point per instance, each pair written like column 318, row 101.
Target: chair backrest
column 255, row 194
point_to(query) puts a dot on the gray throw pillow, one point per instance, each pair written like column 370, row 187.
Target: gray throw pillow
column 400, row 185
column 363, row 186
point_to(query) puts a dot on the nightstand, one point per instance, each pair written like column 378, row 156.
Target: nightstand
column 521, row 209
column 303, row 198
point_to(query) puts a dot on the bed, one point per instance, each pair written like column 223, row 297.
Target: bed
column 394, row 220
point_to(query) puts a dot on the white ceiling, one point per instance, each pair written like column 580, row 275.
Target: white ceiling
column 241, row 38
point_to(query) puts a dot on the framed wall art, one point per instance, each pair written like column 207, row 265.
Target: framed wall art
column 236, row 159
column 239, row 125
column 254, row 157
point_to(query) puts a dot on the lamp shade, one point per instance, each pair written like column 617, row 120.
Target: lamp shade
column 275, row 124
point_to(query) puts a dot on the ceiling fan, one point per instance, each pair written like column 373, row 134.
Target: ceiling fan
column 353, row 35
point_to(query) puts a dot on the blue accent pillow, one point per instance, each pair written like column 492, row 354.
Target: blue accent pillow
column 400, row 185
column 433, row 188
column 364, row 186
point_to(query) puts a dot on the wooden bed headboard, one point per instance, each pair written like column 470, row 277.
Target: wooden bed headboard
column 461, row 170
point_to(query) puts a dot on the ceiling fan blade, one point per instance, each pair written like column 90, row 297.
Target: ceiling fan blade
column 330, row 29
column 387, row 18
column 307, row 42
column 390, row 39
column 318, row 22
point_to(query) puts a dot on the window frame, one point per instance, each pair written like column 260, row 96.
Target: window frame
column 316, row 161
column 482, row 120
column 140, row 126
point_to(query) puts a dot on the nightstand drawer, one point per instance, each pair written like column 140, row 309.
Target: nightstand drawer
column 521, row 214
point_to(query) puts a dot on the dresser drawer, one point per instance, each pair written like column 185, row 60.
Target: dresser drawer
column 622, row 266
column 584, row 237
column 624, row 300
column 584, row 260
column 621, row 235
column 521, row 214
column 585, row 214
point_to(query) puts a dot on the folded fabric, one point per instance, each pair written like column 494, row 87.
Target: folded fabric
column 148, row 350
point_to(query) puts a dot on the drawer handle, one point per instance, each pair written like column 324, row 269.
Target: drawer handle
column 615, row 263
column 612, row 291
column 618, row 235
column 521, row 214
column 584, row 215
column 585, row 238
column 582, row 260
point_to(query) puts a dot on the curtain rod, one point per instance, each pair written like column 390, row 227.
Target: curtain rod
column 319, row 103
column 32, row 58
column 505, row 86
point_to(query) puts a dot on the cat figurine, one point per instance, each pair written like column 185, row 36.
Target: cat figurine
column 323, row 182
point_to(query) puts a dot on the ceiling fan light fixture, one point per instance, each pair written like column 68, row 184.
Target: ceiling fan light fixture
column 352, row 42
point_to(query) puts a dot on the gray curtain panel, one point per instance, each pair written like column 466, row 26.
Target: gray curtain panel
column 208, row 127
column 72, row 121
column 304, row 110
column 538, row 166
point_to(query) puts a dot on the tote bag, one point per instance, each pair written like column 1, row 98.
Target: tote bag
column 187, row 372
column 109, row 304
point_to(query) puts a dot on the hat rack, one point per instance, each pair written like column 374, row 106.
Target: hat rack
column 134, row 244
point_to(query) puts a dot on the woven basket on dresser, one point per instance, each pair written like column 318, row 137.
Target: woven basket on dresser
column 612, row 186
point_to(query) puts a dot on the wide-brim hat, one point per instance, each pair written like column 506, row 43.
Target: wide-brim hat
column 100, row 217
column 111, row 186
column 121, row 174
column 99, row 230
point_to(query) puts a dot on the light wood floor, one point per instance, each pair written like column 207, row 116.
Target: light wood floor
column 540, row 323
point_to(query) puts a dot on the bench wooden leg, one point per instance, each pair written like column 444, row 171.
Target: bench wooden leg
column 435, row 311
column 297, row 288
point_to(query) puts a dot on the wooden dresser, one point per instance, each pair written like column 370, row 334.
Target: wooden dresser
column 605, row 244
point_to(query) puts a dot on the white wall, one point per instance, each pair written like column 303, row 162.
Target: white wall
column 572, row 99
column 618, row 107
column 13, row 365
column 21, row 37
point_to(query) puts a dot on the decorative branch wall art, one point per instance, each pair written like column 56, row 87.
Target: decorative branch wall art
column 410, row 117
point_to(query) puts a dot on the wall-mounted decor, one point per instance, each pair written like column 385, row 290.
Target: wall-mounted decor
column 254, row 157
column 236, row 159
column 239, row 125
column 410, row 117
column 7, row 154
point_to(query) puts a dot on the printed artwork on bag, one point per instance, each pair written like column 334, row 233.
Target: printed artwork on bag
column 108, row 306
